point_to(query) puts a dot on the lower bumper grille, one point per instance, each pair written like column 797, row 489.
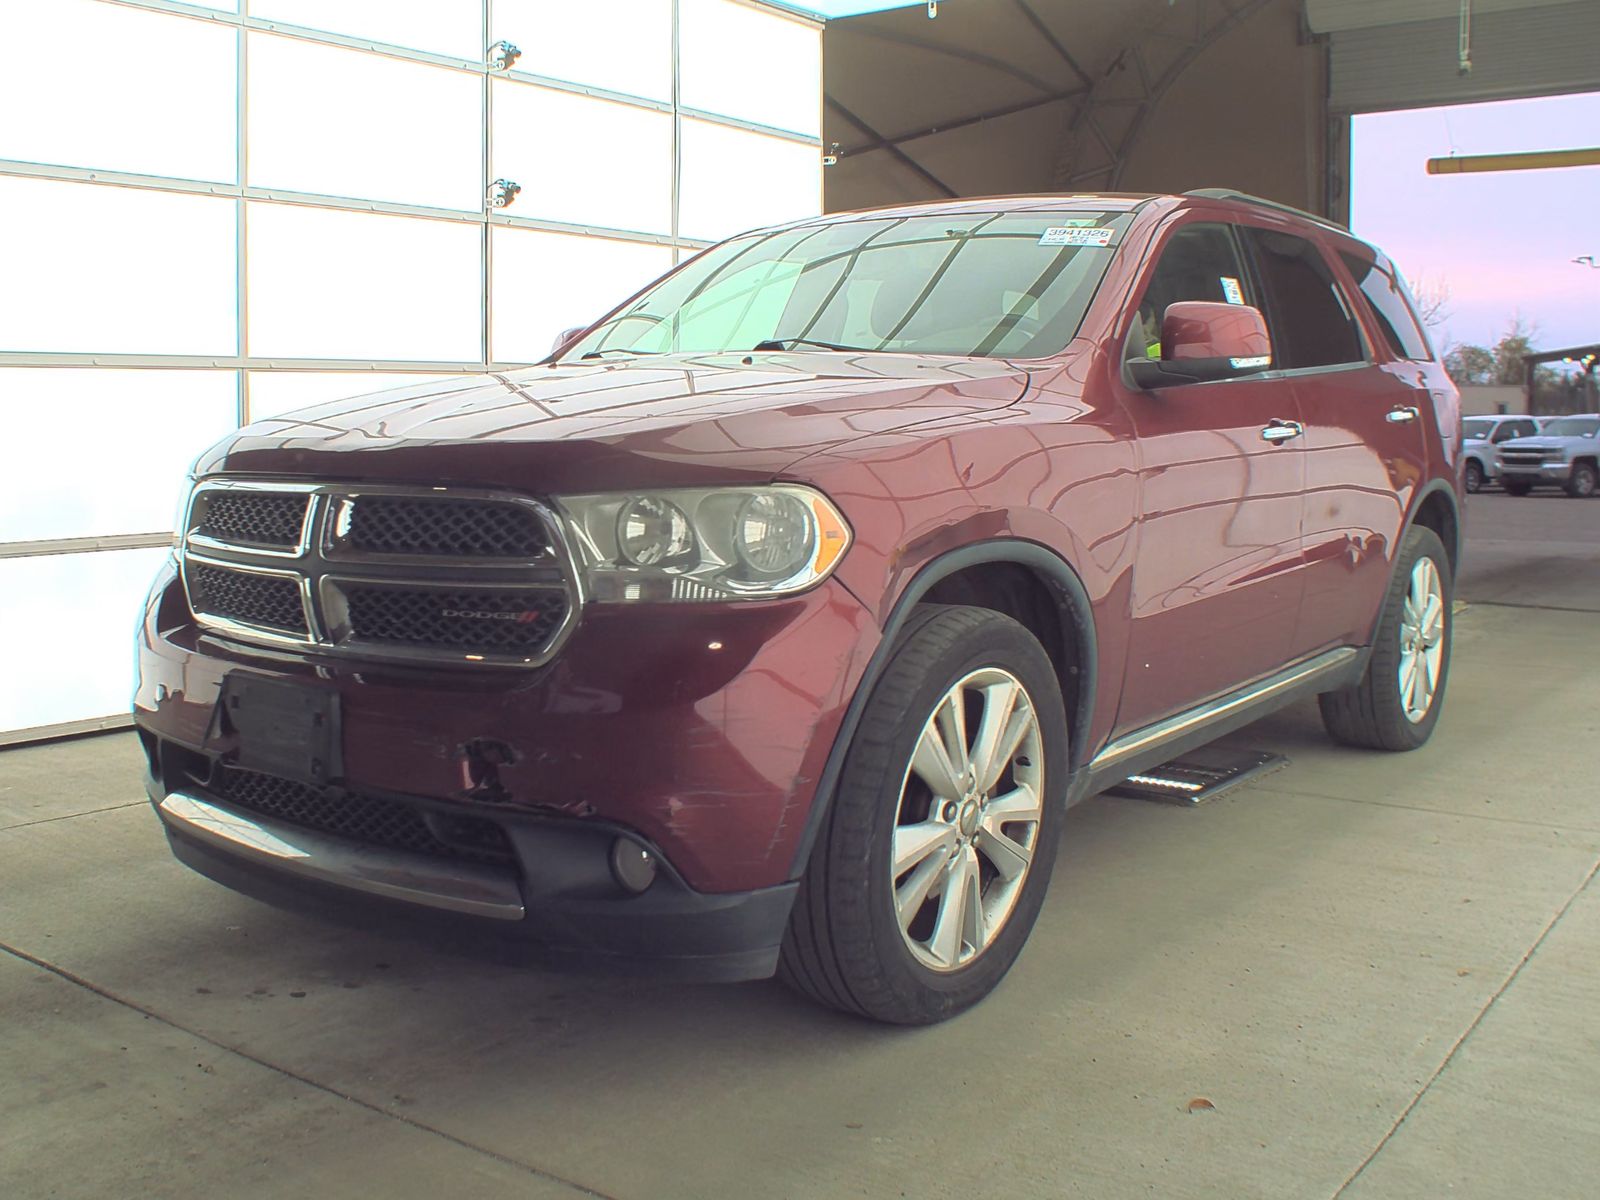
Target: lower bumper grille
column 369, row 819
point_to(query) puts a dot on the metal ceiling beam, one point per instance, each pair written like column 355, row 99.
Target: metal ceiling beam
column 879, row 142
column 971, row 56
column 1071, row 172
column 993, row 114
column 1049, row 36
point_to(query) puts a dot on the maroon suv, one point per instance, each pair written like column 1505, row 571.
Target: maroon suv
column 776, row 620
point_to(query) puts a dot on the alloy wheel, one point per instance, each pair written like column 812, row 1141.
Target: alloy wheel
column 1421, row 640
column 968, row 819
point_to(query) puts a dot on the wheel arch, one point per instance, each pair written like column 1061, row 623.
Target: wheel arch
column 1064, row 624
column 1438, row 509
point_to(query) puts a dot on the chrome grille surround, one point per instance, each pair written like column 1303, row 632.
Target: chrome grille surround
column 327, row 569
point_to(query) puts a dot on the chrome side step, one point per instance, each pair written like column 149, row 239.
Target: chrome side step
column 480, row 891
column 1154, row 743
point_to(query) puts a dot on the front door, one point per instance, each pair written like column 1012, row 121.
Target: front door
column 1215, row 580
column 1365, row 406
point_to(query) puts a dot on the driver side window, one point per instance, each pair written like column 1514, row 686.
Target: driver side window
column 1198, row 262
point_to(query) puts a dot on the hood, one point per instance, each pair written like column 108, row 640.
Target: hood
column 679, row 420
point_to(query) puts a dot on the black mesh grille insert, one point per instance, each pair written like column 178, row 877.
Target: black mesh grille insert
column 361, row 818
column 254, row 518
column 458, row 528
column 517, row 622
column 269, row 600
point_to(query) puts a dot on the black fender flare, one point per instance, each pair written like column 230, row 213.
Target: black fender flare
column 1075, row 609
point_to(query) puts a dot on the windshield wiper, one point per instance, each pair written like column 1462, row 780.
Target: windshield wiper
column 786, row 343
column 618, row 350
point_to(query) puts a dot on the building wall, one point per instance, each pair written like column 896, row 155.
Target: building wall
column 210, row 214
column 1250, row 114
column 1487, row 400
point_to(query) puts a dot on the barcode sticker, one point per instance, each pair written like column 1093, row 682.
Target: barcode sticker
column 1062, row 235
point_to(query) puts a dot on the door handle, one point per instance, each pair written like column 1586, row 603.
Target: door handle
column 1401, row 416
column 1282, row 431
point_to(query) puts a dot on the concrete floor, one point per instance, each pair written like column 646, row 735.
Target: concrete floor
column 1380, row 971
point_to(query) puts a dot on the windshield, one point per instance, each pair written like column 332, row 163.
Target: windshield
column 970, row 284
column 1476, row 430
column 1571, row 427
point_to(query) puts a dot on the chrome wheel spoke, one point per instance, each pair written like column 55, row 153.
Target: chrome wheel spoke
column 910, row 896
column 955, row 904
column 914, row 843
column 1010, row 859
column 1000, row 730
column 1022, row 804
column 931, row 763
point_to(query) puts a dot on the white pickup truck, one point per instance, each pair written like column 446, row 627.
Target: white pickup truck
column 1564, row 453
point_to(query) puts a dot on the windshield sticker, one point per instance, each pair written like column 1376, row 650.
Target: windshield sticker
column 1064, row 235
column 1232, row 290
column 1079, row 222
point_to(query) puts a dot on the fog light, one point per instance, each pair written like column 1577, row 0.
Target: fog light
column 632, row 865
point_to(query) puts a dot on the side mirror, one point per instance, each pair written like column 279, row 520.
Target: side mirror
column 1202, row 341
column 565, row 338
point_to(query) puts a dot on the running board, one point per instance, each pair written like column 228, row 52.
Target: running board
column 1164, row 741
column 1200, row 775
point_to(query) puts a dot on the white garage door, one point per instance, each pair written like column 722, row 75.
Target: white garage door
column 1392, row 54
column 210, row 213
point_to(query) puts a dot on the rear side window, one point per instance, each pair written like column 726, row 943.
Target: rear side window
column 1390, row 304
column 1310, row 322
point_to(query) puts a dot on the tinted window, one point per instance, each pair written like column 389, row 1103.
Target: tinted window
column 985, row 283
column 1477, row 429
column 1310, row 323
column 1572, row 427
column 1199, row 262
column 1392, row 307
column 1523, row 428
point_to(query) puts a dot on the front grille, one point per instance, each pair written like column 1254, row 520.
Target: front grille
column 521, row 621
column 254, row 518
column 424, row 574
column 1524, row 457
column 368, row 819
column 454, row 528
column 272, row 601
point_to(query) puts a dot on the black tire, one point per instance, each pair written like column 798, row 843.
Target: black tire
column 1371, row 712
column 844, row 947
column 1515, row 487
column 1584, row 481
column 1474, row 476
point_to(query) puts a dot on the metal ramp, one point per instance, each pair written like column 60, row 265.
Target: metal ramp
column 1200, row 775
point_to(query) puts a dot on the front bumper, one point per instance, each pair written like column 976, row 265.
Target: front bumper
column 696, row 732
column 1557, row 472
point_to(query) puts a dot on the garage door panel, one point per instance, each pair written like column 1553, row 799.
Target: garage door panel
column 1546, row 50
column 111, row 270
column 337, row 122
column 117, row 89
column 66, row 630
column 135, row 432
column 329, row 284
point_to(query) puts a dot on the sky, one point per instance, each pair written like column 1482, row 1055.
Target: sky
column 1501, row 243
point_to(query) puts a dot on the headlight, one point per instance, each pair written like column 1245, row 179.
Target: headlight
column 704, row 544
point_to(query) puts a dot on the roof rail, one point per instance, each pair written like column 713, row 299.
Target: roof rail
column 1247, row 198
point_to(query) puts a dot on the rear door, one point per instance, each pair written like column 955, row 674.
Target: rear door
column 1215, row 581
column 1365, row 405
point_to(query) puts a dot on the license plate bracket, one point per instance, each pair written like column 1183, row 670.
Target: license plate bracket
column 281, row 727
